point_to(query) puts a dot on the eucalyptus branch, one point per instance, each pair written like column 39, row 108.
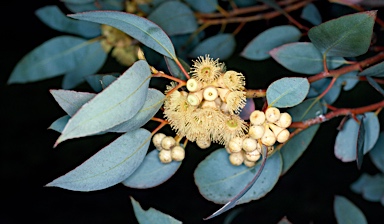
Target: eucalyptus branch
column 335, row 113
column 255, row 93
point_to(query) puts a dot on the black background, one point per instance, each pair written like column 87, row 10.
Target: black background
column 28, row 160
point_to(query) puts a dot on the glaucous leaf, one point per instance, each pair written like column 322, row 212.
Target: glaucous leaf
column 180, row 21
column 346, row 139
column 152, row 172
column 71, row 101
column 53, row 17
column 92, row 62
column 78, row 1
column 174, row 68
column 247, row 109
column 346, row 212
column 349, row 80
column 360, row 143
column 321, row 85
column 346, row 36
column 377, row 153
column 151, row 215
column 219, row 181
column 287, row 92
column 119, row 102
column 137, row 27
column 370, row 187
column 204, row 6
column 52, row 58
column 245, row 3
column 303, row 57
column 218, row 46
column 111, row 165
column 151, row 105
column 295, row 147
column 116, row 5
column 259, row 47
column 311, row 14
column 375, row 85
column 60, row 123
column 376, row 70
column 99, row 82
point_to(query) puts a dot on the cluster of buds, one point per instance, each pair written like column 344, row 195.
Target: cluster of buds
column 169, row 149
column 208, row 111
column 265, row 129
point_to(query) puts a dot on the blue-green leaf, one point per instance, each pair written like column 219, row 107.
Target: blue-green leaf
column 370, row 187
column 349, row 80
column 375, row 85
column 295, row 147
column 218, row 46
column 174, row 68
column 287, row 92
column 346, row 139
column 204, row 6
column 347, row 36
column 60, row 123
column 346, row 212
column 93, row 61
column 303, row 57
column 53, row 17
column 244, row 3
column 259, row 47
column 360, row 143
column 376, row 70
column 117, row 5
column 219, row 181
column 52, row 58
column 151, row 105
column 111, row 165
column 311, row 14
column 114, row 105
column 138, row 27
column 152, row 172
column 71, row 101
column 99, row 82
column 151, row 215
column 321, row 85
column 180, row 21
column 377, row 153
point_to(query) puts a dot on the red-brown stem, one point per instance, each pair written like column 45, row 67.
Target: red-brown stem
column 354, row 67
column 363, row 78
column 255, row 93
column 161, row 125
column 328, row 88
column 239, row 28
column 182, row 68
column 336, row 113
column 161, row 74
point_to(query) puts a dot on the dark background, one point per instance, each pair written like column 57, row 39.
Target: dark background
column 28, row 160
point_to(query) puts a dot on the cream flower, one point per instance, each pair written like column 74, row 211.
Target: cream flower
column 206, row 69
column 235, row 101
column 234, row 127
column 234, row 80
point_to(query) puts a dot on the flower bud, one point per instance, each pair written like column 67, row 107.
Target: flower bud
column 168, row 142
column 283, row 136
column 268, row 138
column 235, row 144
column 165, row 156
column 249, row 144
column 252, row 156
column 203, row 143
column 177, row 153
column 284, row 121
column 195, row 98
column 209, row 104
column 223, row 93
column 210, row 93
column 157, row 138
column 272, row 114
column 249, row 163
column 257, row 117
column 236, row 158
column 256, row 131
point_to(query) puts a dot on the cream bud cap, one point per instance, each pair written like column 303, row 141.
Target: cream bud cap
column 285, row 120
column 165, row 156
column 256, row 131
column 177, row 153
column 249, row 144
column 272, row 114
column 236, row 158
column 168, row 142
column 235, row 144
column 157, row 138
column 268, row 138
column 257, row 117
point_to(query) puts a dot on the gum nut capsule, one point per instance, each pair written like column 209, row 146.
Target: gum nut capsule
column 203, row 143
column 249, row 163
column 195, row 98
column 193, row 85
column 177, row 153
column 235, row 144
column 256, row 131
column 268, row 138
column 249, row 144
column 284, row 121
column 165, row 156
column 168, row 142
column 236, row 158
column 272, row 114
column 252, row 156
column 257, row 117
column 283, row 136
column 157, row 138
column 210, row 93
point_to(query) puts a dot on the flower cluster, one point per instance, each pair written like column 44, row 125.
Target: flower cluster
column 169, row 148
column 208, row 112
column 265, row 129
